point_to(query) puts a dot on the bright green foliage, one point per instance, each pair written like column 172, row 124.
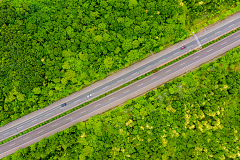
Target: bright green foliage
column 51, row 48
column 198, row 118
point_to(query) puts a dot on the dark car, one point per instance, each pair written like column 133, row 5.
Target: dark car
column 183, row 47
column 64, row 104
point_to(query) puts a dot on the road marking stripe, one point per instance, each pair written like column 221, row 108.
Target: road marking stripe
column 195, row 57
column 111, row 98
column 223, row 43
column 35, row 120
column 83, row 112
column 25, row 138
column 105, row 87
column 217, row 32
column 209, row 50
column 120, row 80
column 237, row 36
column 126, row 91
column 40, row 131
column 140, row 84
column 203, row 39
column 54, row 125
column 69, row 118
column 97, row 105
column 148, row 67
column 231, row 25
column 6, row 133
column 153, row 78
column 77, row 101
column 48, row 114
column 159, row 79
column 134, row 73
column 175, row 53
column 181, row 64
column 12, row 144
column 168, row 71
column 162, row 59
column 19, row 127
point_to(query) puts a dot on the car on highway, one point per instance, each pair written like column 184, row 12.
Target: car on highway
column 88, row 96
column 64, row 104
column 183, row 47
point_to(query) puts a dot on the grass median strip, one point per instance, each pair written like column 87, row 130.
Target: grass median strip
column 126, row 84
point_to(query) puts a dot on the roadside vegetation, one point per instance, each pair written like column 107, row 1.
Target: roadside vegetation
column 124, row 85
column 195, row 116
column 52, row 48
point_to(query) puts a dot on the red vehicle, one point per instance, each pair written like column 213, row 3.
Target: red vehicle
column 183, row 47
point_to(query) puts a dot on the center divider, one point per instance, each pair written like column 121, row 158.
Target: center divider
column 126, row 84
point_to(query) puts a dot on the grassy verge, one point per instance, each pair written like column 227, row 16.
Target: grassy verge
column 126, row 84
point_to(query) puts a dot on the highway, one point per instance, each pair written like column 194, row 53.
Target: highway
column 136, row 88
column 6, row 132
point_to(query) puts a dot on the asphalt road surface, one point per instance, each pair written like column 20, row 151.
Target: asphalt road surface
column 172, row 70
column 20, row 127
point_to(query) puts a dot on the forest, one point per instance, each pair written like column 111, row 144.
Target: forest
column 52, row 48
column 195, row 116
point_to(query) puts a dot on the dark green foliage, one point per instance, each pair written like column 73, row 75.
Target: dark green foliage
column 51, row 48
column 190, row 117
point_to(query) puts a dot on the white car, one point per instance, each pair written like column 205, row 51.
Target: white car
column 88, row 96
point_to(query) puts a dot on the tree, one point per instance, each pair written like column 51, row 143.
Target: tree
column 127, row 45
column 132, row 3
column 37, row 90
column 108, row 62
column 98, row 38
column 135, row 44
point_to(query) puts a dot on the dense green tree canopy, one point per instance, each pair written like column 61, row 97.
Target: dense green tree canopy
column 51, row 48
column 175, row 121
